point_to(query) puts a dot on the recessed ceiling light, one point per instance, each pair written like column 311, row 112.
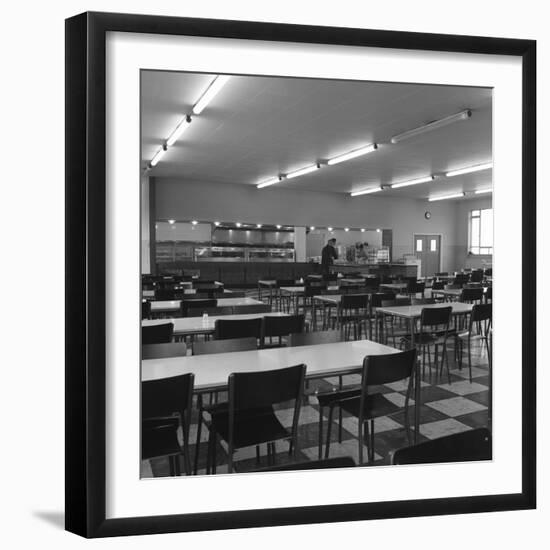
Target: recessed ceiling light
column 352, row 154
column 443, row 197
column 312, row 228
column 346, row 228
column 238, row 224
column 216, row 224
column 278, row 227
column 194, row 222
column 366, row 191
column 470, row 169
column 412, row 182
column 362, row 230
column 329, row 228
column 378, row 230
column 171, row 222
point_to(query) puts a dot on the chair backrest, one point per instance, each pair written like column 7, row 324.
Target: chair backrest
column 314, row 338
column 313, row 288
column 481, row 312
column 285, row 282
column 167, row 396
column 377, row 299
column 461, row 278
column 238, row 328
column 476, row 276
column 422, row 301
column 414, row 287
column 145, row 309
column 259, row 308
column 372, row 282
column 385, row 369
column 461, row 447
column 224, row 346
column 471, row 294
column 186, row 305
column 159, row 351
column 438, row 285
column 354, row 301
column 330, row 277
column 157, row 334
column 282, row 326
column 218, row 310
column 262, row 389
column 435, row 316
column 489, row 272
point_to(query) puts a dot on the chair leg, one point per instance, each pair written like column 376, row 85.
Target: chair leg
column 341, row 385
column 470, row 360
column 320, row 432
column 371, row 446
column 199, row 428
column 329, row 427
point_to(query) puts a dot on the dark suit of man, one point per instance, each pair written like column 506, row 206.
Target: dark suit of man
column 328, row 255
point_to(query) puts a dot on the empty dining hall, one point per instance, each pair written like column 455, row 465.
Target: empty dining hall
column 316, row 274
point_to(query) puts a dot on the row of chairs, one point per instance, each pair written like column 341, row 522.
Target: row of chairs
column 262, row 328
column 196, row 306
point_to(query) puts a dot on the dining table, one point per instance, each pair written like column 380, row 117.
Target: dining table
column 170, row 306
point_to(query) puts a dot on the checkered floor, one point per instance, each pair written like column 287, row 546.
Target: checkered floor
column 447, row 408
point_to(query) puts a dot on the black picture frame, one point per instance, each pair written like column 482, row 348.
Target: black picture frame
column 85, row 273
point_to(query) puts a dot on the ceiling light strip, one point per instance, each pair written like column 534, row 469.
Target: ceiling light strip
column 352, row 154
column 215, row 86
column 303, row 171
column 412, row 182
column 469, row 169
column 445, row 197
column 481, row 191
column 463, row 115
column 366, row 191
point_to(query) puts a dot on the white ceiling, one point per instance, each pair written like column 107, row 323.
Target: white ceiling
column 258, row 127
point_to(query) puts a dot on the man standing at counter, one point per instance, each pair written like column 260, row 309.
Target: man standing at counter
column 328, row 255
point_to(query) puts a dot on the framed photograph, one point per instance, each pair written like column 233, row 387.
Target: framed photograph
column 300, row 274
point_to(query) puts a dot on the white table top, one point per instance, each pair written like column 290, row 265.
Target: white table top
column 195, row 325
column 412, row 312
column 174, row 305
column 212, row 371
column 301, row 289
column 329, row 298
column 394, row 285
column 453, row 291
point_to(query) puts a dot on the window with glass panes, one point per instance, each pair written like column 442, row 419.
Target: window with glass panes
column 481, row 231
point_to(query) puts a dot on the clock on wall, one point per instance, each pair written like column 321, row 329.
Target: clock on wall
column 427, row 215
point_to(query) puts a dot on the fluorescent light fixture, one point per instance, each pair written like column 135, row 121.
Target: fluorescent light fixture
column 171, row 222
column 160, row 153
column 330, row 228
column 352, row 154
column 346, row 228
column 470, row 169
column 443, row 197
column 480, row 191
column 269, row 182
column 362, row 230
column 412, row 182
column 463, row 115
column 194, row 222
column 278, row 227
column 180, row 128
column 238, row 224
column 216, row 224
column 215, row 86
column 303, row 171
column 366, row 191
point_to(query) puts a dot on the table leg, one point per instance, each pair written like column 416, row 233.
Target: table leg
column 314, row 314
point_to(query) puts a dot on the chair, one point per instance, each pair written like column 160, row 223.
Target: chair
column 397, row 302
column 461, row 447
column 165, row 408
column 237, row 328
column 311, row 288
column 366, row 406
column 461, row 278
column 434, row 331
column 159, row 351
column 186, row 305
column 218, row 310
column 145, row 309
column 282, row 302
column 481, row 318
column 315, row 338
column 372, row 283
column 260, row 308
column 376, row 300
column 414, row 288
column 352, row 311
column 471, row 295
column 210, row 347
column 249, row 418
column 476, row 276
column 157, row 334
column 281, row 326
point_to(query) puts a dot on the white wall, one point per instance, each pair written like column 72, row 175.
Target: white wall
column 230, row 202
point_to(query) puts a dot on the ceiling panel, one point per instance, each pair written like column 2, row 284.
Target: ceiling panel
column 258, row 127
